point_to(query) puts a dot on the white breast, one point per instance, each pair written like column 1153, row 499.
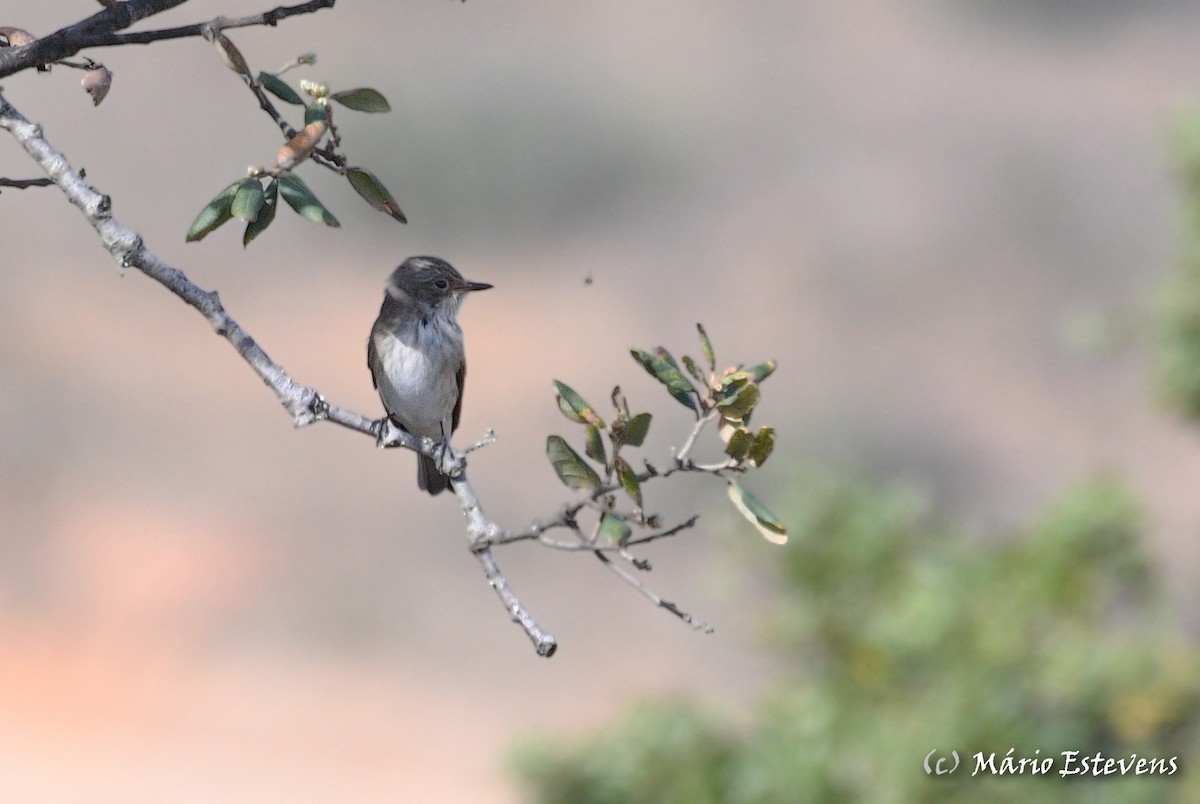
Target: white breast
column 419, row 391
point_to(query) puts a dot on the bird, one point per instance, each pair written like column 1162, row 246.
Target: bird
column 416, row 357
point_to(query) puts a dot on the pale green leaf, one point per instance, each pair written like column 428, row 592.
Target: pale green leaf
column 628, row 479
column 595, row 445
column 614, row 530
column 248, row 201
column 757, row 514
column 574, row 406
column 571, row 469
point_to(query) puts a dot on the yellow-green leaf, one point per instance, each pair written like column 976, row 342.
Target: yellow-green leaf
column 215, row 213
column 575, row 407
column 628, row 479
column 757, row 514
column 297, row 195
column 595, row 445
column 571, row 469
column 363, row 99
column 693, row 369
column 374, row 193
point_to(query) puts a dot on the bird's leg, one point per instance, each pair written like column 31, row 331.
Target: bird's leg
column 443, row 448
column 386, row 433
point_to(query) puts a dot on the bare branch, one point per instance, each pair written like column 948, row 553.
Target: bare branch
column 66, row 42
column 100, row 30
column 655, row 598
column 543, row 643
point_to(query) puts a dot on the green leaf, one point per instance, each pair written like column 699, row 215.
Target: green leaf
column 248, row 201
column 363, row 99
column 706, row 345
column 214, row 213
column 739, row 444
column 615, row 530
column 635, row 430
column 265, row 215
column 595, row 445
column 279, row 88
column 570, row 468
column 757, row 514
column 738, row 399
column 663, row 368
column 628, row 479
column 297, row 195
column 762, row 370
column 314, row 112
column 693, row 369
column 764, row 445
column 372, row 190
column 575, row 407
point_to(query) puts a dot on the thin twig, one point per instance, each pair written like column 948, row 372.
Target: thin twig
column 23, row 184
column 681, row 458
column 657, row 599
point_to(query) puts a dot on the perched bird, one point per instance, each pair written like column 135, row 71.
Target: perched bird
column 415, row 354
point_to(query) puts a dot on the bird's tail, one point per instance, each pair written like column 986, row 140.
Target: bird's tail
column 428, row 476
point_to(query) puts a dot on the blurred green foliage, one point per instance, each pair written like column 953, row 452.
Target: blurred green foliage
column 901, row 634
column 1178, row 313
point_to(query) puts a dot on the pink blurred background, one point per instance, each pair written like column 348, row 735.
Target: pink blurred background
column 906, row 204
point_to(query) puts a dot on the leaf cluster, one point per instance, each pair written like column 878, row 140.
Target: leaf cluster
column 729, row 397
column 254, row 203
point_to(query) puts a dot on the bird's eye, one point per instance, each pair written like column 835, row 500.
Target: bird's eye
column 442, row 284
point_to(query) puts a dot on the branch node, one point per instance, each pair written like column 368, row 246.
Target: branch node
column 319, row 408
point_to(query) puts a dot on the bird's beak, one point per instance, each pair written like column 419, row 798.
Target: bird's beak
column 465, row 286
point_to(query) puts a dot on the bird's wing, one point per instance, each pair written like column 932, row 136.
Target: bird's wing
column 461, row 377
column 373, row 360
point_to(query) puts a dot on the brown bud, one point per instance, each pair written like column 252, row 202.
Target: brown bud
column 16, row 37
column 298, row 148
column 96, row 83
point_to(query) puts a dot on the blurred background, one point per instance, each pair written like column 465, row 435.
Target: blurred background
column 930, row 213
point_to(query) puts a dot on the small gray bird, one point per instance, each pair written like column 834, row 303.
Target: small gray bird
column 416, row 356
